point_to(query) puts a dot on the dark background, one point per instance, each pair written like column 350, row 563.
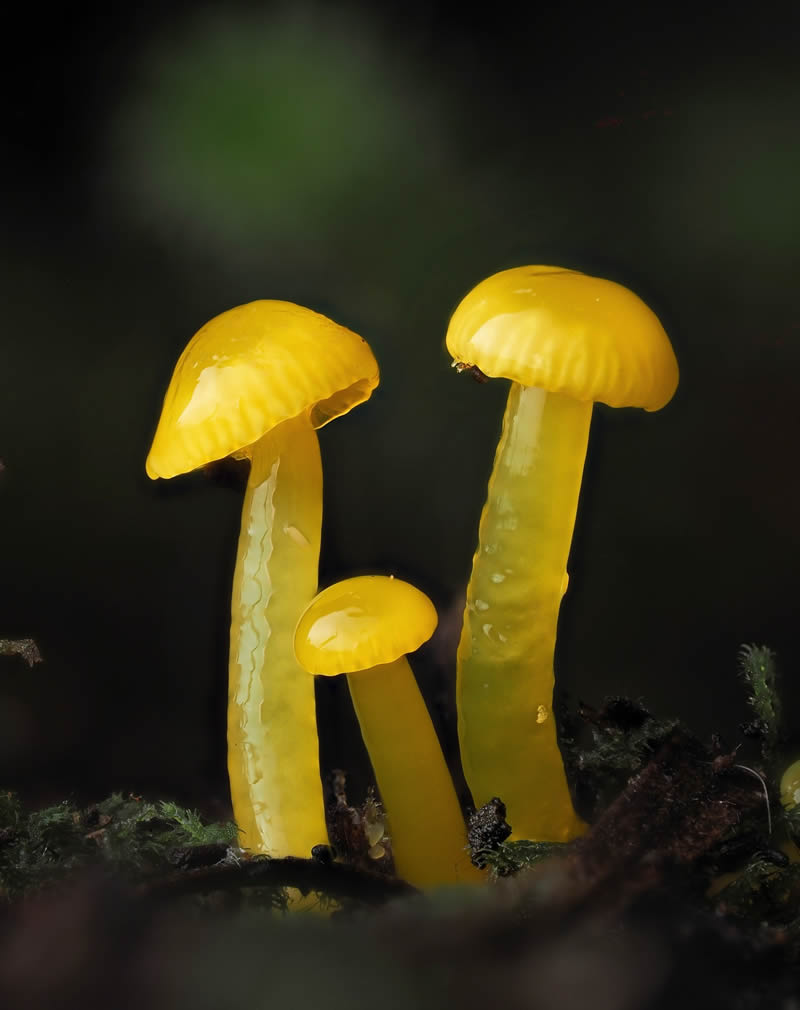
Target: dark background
column 374, row 162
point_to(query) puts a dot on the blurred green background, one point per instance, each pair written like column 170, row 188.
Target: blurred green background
column 374, row 163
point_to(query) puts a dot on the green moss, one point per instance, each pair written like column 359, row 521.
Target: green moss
column 765, row 891
column 758, row 668
column 130, row 835
column 510, row 858
column 623, row 736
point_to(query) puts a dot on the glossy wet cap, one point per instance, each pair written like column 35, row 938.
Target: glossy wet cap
column 362, row 622
column 247, row 370
column 566, row 332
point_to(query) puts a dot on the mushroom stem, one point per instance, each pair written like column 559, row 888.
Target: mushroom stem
column 273, row 750
column 426, row 826
column 505, row 675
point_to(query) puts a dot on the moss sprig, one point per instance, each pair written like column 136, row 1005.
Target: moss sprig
column 758, row 668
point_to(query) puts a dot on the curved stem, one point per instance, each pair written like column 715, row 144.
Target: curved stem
column 426, row 826
column 273, row 750
column 505, row 675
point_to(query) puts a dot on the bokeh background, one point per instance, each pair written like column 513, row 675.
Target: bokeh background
column 165, row 162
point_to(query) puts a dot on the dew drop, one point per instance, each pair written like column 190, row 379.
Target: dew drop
column 542, row 713
column 481, row 605
column 294, row 534
column 497, row 577
column 487, row 630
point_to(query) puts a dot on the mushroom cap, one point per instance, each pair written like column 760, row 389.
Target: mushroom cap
column 360, row 623
column 247, row 370
column 566, row 332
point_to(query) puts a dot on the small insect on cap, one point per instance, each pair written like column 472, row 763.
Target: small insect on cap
column 362, row 622
column 247, row 370
column 566, row 332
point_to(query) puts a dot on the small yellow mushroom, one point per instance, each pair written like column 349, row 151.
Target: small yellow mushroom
column 565, row 340
column 255, row 382
column 364, row 627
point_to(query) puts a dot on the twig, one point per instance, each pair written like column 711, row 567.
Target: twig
column 24, row 647
column 335, row 879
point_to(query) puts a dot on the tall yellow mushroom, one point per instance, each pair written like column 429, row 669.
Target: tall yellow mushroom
column 364, row 627
column 565, row 340
column 256, row 382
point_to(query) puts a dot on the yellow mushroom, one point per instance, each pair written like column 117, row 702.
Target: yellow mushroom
column 256, row 382
column 364, row 627
column 565, row 340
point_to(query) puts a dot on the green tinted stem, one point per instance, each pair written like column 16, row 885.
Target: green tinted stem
column 505, row 677
column 273, row 750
